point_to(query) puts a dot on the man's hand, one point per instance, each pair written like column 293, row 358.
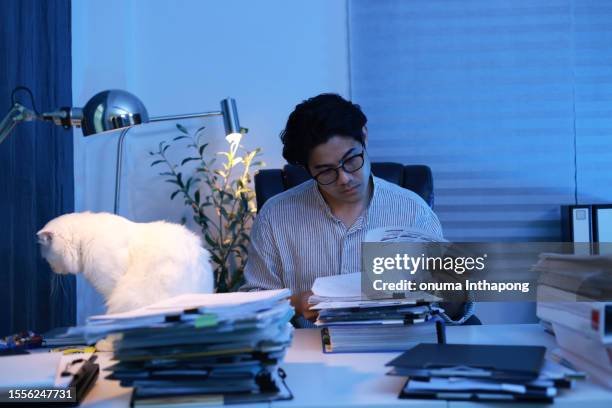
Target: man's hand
column 300, row 302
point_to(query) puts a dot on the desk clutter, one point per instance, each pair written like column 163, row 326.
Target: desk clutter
column 581, row 325
column 480, row 373
column 351, row 323
column 201, row 349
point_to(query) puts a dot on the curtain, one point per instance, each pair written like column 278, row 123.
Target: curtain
column 36, row 163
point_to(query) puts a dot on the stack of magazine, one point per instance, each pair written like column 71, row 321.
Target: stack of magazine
column 480, row 373
column 201, row 348
column 352, row 323
column 574, row 301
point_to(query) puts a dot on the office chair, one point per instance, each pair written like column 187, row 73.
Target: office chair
column 417, row 178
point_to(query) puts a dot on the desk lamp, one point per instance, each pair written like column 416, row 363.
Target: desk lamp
column 108, row 111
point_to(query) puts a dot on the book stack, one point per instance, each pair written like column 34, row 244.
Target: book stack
column 351, row 323
column 480, row 373
column 201, row 348
column 573, row 299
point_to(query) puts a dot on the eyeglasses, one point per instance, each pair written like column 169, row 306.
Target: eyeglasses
column 350, row 165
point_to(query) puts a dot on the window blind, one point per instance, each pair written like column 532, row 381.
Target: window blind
column 593, row 84
column 485, row 93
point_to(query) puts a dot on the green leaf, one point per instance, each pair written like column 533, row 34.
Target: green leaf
column 182, row 128
column 188, row 184
column 224, row 212
column 232, row 226
column 220, row 173
column 209, row 240
column 201, row 150
column 196, row 197
column 156, row 162
column 166, row 173
column 173, row 182
column 216, row 259
column 174, row 194
column 188, row 159
column 165, row 148
column 180, row 137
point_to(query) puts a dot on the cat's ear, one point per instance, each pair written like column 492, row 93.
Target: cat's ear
column 44, row 237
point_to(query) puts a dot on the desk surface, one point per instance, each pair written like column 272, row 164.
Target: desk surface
column 339, row 380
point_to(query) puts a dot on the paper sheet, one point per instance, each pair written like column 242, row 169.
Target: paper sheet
column 29, row 370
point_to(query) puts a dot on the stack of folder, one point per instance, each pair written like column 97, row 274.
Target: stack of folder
column 352, row 323
column 201, row 349
column 573, row 299
column 480, row 373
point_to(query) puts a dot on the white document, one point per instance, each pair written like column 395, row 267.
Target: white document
column 452, row 384
column 342, row 291
column 225, row 306
column 204, row 302
column 401, row 234
column 29, row 370
column 338, row 286
column 366, row 304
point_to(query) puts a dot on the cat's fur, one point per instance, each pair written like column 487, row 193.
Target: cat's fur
column 130, row 264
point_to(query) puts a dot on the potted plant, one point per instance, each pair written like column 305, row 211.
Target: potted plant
column 220, row 197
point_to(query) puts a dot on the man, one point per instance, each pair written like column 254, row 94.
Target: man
column 316, row 228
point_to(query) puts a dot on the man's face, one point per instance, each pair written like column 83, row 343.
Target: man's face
column 349, row 187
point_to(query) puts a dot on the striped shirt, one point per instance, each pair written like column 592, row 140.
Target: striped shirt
column 295, row 237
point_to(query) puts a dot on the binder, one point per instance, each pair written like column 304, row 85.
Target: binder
column 498, row 363
column 533, row 395
column 375, row 330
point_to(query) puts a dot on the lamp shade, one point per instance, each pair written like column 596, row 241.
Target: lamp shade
column 230, row 116
column 111, row 110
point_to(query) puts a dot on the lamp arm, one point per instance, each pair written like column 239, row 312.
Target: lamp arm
column 185, row 116
column 119, row 169
column 18, row 113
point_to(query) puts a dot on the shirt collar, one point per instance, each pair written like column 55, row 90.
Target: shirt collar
column 323, row 204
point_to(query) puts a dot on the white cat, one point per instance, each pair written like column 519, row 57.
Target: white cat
column 131, row 264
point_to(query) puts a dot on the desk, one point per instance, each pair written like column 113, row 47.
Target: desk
column 342, row 380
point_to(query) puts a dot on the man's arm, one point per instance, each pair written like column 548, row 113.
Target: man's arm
column 263, row 269
column 454, row 312
column 300, row 302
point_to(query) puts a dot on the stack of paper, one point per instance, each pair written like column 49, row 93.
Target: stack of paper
column 570, row 299
column 352, row 323
column 197, row 349
column 587, row 277
column 480, row 373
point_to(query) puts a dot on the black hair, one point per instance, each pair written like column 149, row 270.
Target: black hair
column 315, row 121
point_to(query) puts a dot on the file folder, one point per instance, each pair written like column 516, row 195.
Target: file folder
column 499, row 363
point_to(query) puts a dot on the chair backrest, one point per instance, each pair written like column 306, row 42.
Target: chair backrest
column 417, row 178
